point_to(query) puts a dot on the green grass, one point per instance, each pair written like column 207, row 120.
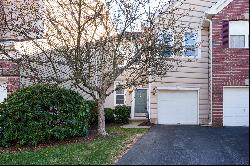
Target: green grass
column 99, row 151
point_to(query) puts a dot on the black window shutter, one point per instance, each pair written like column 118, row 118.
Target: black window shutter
column 225, row 34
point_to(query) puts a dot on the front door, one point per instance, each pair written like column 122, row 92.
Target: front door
column 140, row 102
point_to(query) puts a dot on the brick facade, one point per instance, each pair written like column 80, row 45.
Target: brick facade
column 10, row 72
column 230, row 66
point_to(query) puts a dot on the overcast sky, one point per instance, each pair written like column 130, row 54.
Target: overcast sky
column 152, row 5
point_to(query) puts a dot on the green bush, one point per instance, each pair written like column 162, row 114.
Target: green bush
column 93, row 119
column 119, row 115
column 109, row 115
column 40, row 113
column 122, row 114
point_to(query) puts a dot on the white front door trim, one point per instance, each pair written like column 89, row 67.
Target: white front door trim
column 182, row 89
column 133, row 102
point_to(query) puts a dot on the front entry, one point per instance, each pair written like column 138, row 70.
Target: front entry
column 140, row 107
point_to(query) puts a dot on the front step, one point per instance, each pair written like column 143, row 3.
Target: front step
column 138, row 119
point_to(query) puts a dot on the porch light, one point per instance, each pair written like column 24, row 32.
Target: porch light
column 154, row 91
column 130, row 90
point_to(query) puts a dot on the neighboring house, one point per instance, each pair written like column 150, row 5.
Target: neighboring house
column 9, row 73
column 9, row 78
column 211, row 86
column 30, row 15
column 230, row 62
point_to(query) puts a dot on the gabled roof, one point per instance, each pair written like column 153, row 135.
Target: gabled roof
column 220, row 5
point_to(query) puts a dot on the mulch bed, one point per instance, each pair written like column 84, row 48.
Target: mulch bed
column 146, row 123
column 93, row 134
column 16, row 148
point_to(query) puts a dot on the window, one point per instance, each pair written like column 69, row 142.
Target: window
column 119, row 95
column 128, row 52
column 190, row 42
column 166, row 42
column 135, row 53
column 121, row 56
column 239, row 34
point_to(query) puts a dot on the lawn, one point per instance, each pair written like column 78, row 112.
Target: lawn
column 99, row 151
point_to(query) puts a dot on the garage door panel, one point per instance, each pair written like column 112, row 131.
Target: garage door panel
column 177, row 107
column 236, row 106
column 236, row 111
column 236, row 121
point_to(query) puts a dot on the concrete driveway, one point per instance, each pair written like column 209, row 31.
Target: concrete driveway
column 164, row 145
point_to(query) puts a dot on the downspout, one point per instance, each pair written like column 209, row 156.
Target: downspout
column 211, row 69
column 149, row 98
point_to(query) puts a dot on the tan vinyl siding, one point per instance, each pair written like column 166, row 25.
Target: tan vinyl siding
column 193, row 74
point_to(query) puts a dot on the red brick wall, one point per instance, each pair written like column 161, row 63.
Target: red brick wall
column 10, row 71
column 230, row 66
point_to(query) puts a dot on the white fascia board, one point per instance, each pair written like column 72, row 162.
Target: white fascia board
column 220, row 5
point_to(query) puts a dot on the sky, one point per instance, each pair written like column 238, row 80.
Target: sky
column 152, row 5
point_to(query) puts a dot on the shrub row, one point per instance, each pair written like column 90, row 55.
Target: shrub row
column 119, row 115
column 40, row 113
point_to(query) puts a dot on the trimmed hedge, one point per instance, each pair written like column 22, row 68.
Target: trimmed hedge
column 109, row 115
column 93, row 119
column 119, row 115
column 40, row 113
column 122, row 114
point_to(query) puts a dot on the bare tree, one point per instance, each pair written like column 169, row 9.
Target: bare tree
column 87, row 45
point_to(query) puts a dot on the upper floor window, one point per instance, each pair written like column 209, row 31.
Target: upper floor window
column 238, row 34
column 166, row 43
column 190, row 43
column 121, row 56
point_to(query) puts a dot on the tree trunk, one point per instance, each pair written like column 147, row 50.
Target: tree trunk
column 101, row 119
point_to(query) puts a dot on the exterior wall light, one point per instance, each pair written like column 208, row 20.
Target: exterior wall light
column 130, row 90
column 154, row 91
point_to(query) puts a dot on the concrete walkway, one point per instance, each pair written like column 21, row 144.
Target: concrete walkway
column 134, row 124
column 185, row 145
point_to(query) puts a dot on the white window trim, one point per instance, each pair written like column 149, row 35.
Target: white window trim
column 3, row 87
column 115, row 84
column 172, row 33
column 134, row 65
column 243, row 33
column 128, row 54
column 198, row 41
column 125, row 61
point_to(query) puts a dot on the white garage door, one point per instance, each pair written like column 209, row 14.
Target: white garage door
column 3, row 92
column 236, row 107
column 178, row 107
